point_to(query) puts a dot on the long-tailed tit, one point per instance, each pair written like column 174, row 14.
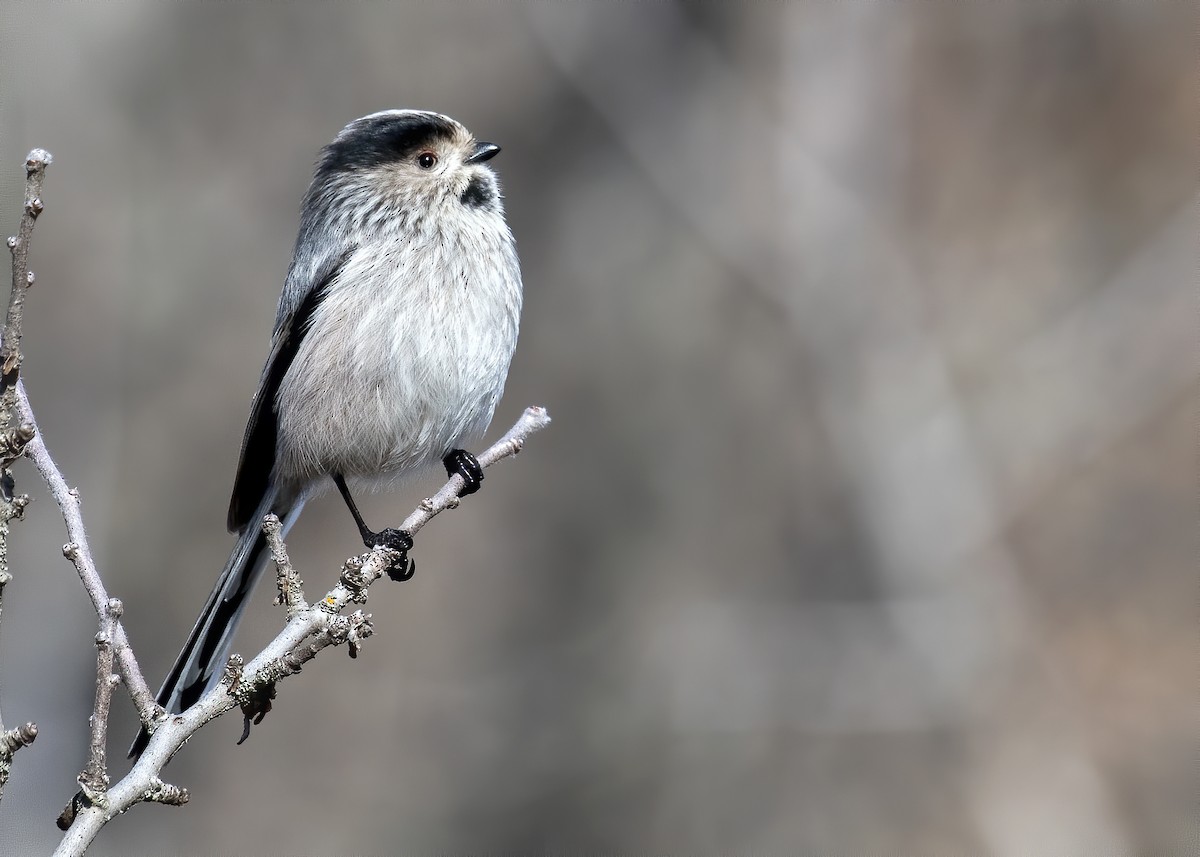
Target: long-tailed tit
column 391, row 345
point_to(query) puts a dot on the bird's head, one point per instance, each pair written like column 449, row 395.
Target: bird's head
column 412, row 157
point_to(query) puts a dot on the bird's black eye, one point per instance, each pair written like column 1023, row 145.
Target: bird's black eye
column 426, row 160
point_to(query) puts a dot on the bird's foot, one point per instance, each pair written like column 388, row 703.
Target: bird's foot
column 400, row 542
column 397, row 540
column 255, row 706
column 467, row 466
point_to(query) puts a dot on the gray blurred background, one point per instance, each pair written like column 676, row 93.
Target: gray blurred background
column 867, row 520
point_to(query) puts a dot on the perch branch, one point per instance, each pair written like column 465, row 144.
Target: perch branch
column 309, row 629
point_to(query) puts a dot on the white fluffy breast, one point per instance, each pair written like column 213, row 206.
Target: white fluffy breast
column 406, row 356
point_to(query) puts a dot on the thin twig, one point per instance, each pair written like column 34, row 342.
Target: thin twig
column 93, row 781
column 79, row 553
column 287, row 579
column 13, row 439
column 94, row 778
column 22, row 279
column 11, row 740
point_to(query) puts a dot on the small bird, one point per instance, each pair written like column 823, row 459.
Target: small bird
column 392, row 341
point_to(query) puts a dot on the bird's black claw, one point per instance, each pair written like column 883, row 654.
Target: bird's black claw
column 255, row 707
column 467, row 466
column 395, row 573
column 399, row 541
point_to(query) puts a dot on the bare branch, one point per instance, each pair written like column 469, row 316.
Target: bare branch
column 15, row 739
column 7, row 745
column 79, row 553
column 13, row 439
column 12, row 443
column 165, row 793
column 11, row 741
column 251, row 687
column 93, row 781
column 22, row 279
column 287, row 580
column 94, row 778
column 533, row 419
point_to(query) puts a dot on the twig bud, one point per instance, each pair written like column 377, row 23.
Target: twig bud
column 37, row 158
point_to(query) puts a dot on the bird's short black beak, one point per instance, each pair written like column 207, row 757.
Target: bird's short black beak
column 482, row 152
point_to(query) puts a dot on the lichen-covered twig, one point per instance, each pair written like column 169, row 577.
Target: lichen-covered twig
column 287, row 580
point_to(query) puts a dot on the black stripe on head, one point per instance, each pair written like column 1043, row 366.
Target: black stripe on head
column 378, row 140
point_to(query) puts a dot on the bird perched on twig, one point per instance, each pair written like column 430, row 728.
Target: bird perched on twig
column 392, row 342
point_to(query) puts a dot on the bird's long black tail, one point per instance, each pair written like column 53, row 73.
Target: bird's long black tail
column 200, row 665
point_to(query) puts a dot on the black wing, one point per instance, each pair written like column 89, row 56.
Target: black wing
column 258, row 446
